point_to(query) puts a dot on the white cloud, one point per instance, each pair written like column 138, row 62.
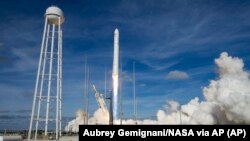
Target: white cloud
column 177, row 75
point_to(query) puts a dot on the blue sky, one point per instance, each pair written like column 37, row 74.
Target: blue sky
column 172, row 42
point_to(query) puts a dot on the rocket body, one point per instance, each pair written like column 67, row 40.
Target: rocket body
column 115, row 76
column 116, row 53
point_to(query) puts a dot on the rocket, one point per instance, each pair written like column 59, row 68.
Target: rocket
column 115, row 78
column 116, row 53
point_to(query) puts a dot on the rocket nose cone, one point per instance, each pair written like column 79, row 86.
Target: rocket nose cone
column 116, row 31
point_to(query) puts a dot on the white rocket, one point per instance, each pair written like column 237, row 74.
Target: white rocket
column 115, row 77
column 116, row 53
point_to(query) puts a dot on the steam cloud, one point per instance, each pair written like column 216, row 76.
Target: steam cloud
column 73, row 125
column 227, row 101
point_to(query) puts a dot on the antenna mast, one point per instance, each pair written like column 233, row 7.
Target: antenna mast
column 86, row 91
column 135, row 114
column 121, row 104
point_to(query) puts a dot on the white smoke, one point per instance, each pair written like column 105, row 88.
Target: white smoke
column 100, row 116
column 73, row 125
column 231, row 92
column 227, row 100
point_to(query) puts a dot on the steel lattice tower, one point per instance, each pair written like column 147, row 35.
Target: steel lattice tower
column 46, row 108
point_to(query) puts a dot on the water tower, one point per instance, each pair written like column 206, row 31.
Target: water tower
column 46, row 108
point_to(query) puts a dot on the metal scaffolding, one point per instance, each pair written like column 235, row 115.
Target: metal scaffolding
column 46, row 108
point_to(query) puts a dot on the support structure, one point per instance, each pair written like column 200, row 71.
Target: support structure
column 86, row 89
column 120, row 95
column 111, row 108
column 134, row 97
column 46, row 112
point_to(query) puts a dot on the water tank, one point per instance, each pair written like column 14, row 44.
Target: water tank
column 53, row 13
